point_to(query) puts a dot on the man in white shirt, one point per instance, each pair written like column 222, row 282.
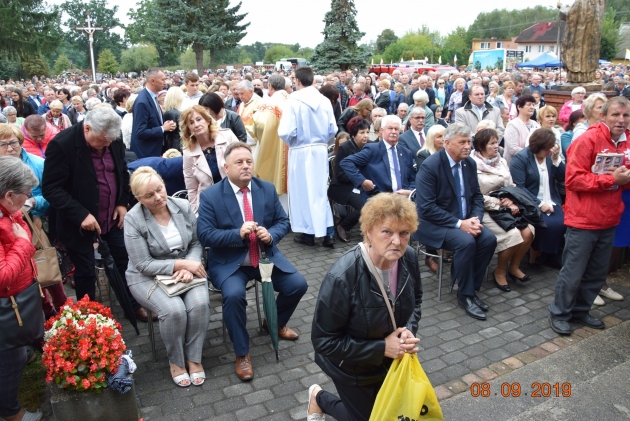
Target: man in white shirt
column 191, row 81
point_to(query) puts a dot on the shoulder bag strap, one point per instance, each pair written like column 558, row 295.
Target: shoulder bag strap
column 34, row 229
column 368, row 260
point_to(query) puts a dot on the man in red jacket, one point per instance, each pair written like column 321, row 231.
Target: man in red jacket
column 592, row 211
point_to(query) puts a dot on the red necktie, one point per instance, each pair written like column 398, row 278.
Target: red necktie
column 253, row 240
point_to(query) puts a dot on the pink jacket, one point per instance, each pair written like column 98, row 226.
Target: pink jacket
column 566, row 110
column 197, row 174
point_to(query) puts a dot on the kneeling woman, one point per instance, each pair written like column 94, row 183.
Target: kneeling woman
column 352, row 331
column 161, row 239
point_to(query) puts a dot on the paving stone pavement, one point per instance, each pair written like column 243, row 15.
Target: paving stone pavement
column 452, row 346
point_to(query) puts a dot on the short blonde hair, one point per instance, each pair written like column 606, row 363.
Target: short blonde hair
column 457, row 81
column 384, row 83
column 56, row 104
column 547, row 109
column 171, row 153
column 589, row 103
column 508, row 84
column 485, row 124
column 174, row 98
column 76, row 98
column 130, row 101
column 388, row 206
column 140, row 178
column 429, row 144
column 7, row 131
column 188, row 138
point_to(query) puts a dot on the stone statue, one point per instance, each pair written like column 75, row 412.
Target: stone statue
column 581, row 40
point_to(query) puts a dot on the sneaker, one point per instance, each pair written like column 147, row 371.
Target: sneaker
column 609, row 293
column 598, row 301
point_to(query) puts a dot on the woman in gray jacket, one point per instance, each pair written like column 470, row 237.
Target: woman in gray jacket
column 161, row 239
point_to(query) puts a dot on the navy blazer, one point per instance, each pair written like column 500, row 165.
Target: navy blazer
column 219, row 225
column 372, row 163
column 409, row 141
column 524, row 170
column 170, row 169
column 147, row 136
column 437, row 202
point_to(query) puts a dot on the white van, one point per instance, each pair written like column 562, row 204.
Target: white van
column 283, row 66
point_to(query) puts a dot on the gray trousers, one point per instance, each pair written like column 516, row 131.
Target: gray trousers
column 183, row 320
column 12, row 363
column 584, row 268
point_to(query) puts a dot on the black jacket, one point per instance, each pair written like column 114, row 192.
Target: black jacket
column 347, row 115
column 340, row 185
column 351, row 320
column 172, row 139
column 70, row 185
column 530, row 213
column 233, row 122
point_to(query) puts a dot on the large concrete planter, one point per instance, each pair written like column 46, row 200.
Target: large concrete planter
column 70, row 405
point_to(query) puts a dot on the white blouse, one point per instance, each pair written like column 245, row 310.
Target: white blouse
column 544, row 194
column 172, row 235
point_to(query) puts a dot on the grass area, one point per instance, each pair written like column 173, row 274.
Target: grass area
column 33, row 385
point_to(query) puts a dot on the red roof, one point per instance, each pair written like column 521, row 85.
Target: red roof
column 541, row 32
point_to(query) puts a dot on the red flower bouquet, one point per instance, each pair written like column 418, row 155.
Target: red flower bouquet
column 82, row 344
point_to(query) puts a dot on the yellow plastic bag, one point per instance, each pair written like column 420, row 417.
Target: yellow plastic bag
column 406, row 394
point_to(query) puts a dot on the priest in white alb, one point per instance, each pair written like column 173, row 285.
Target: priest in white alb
column 307, row 124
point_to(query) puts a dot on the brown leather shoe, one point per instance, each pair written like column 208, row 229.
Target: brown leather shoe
column 432, row 263
column 244, row 369
column 284, row 332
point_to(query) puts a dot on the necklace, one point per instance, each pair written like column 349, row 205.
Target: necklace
column 160, row 222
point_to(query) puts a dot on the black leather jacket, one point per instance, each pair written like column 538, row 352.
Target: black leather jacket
column 351, row 320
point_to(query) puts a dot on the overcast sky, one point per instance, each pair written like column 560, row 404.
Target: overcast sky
column 300, row 21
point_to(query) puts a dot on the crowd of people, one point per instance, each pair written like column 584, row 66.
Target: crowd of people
column 194, row 178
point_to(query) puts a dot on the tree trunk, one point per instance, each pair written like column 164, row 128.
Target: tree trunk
column 212, row 60
column 198, row 48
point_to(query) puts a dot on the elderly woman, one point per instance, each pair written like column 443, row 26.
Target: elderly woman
column 517, row 131
column 362, row 109
column 576, row 103
column 441, row 93
column 592, row 111
column 16, row 274
column 537, row 169
column 456, row 99
column 204, row 144
column 11, row 114
column 225, row 118
column 341, row 190
column 493, row 92
column 507, row 100
column 56, row 118
column 76, row 114
column 356, row 354
column 23, row 108
column 420, row 100
column 172, row 104
column 127, row 121
column 493, row 173
column 161, row 238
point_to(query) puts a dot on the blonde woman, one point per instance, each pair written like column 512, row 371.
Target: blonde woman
column 161, row 238
column 507, row 100
column 204, row 146
column 455, row 101
column 172, row 103
column 493, row 87
column 127, row 121
column 76, row 113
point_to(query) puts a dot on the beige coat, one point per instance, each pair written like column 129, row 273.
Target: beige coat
column 516, row 137
column 197, row 174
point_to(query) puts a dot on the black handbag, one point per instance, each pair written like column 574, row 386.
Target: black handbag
column 22, row 318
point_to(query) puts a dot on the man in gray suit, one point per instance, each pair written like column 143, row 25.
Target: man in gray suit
column 414, row 138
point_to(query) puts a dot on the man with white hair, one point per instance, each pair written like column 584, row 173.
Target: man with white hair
column 90, row 194
column 271, row 164
column 402, row 111
column 307, row 125
column 375, row 114
column 246, row 109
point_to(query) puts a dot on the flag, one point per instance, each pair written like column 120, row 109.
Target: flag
column 391, row 63
column 426, row 59
column 372, row 61
column 440, row 60
column 627, row 54
column 381, row 61
column 401, row 59
column 455, row 59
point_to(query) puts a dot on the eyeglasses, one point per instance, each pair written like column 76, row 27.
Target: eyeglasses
column 14, row 144
column 28, row 195
column 418, row 118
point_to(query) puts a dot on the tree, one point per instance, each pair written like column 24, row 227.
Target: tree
column 455, row 45
column 383, row 41
column 413, row 45
column 202, row 24
column 305, row 52
column 28, row 27
column 102, row 14
column 275, row 53
column 144, row 29
column 139, row 58
column 610, row 35
column 62, row 64
column 339, row 50
column 107, row 62
column 34, row 65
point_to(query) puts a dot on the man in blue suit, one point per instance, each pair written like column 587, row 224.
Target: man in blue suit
column 414, row 138
column 147, row 133
column 384, row 166
column 450, row 207
column 236, row 217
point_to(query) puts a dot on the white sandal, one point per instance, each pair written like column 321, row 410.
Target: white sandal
column 313, row 417
column 196, row 376
column 181, row 378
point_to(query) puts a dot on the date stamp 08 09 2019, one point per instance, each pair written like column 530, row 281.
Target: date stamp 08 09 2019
column 514, row 390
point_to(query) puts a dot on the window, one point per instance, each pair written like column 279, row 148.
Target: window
column 528, row 48
column 552, row 48
column 499, row 45
column 485, row 45
column 541, row 48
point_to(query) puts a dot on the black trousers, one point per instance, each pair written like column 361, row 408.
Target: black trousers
column 84, row 262
column 12, row 363
column 354, row 403
column 356, row 202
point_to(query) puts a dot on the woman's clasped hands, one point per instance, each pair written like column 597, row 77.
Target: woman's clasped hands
column 399, row 342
